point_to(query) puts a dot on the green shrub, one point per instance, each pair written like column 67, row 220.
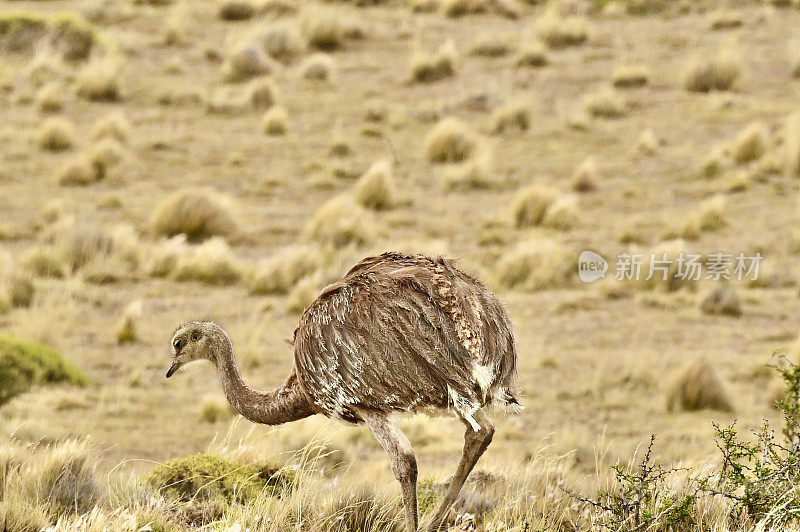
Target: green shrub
column 211, row 477
column 23, row 364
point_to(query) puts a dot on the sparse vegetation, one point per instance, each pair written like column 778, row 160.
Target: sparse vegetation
column 282, row 42
column 750, row 144
column 318, row 67
column 606, row 103
column 126, row 330
column 429, row 68
column 511, row 116
column 279, row 273
column 100, row 81
column 536, row 264
column 276, row 121
column 530, row 205
column 531, row 55
column 712, row 74
column 340, row 222
column 722, row 301
column 246, row 62
column 450, row 141
column 25, row 364
column 323, row 29
column 561, row 32
column 56, row 134
column 586, row 176
column 630, row 76
column 697, row 387
column 199, row 214
column 376, row 189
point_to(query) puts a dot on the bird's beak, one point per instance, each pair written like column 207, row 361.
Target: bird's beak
column 173, row 368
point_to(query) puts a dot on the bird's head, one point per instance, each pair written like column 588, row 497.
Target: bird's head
column 196, row 340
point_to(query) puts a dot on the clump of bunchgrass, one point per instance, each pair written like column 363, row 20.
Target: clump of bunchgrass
column 586, row 176
column 450, row 141
column 283, row 270
column 318, row 67
column 630, row 76
column 514, row 115
column 723, row 301
column 532, row 55
column 750, row 144
column 535, row 264
column 114, row 126
column 530, row 205
column 56, row 134
column 562, row 32
column 50, row 98
column 126, row 330
column 197, row 213
column 432, row 67
column 697, row 386
column 340, row 222
column 262, row 93
column 212, row 262
column 376, row 189
column 708, row 74
column 606, row 103
column 100, row 81
column 323, row 29
column 246, row 62
column 236, row 10
column 282, row 42
column 275, row 121
column 77, row 171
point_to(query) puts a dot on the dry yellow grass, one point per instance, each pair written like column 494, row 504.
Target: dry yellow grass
column 536, row 264
column 530, row 205
column 697, row 387
column 114, row 126
column 318, row 67
column 279, row 273
column 198, row 214
column 450, row 141
column 606, row 103
column 276, row 121
column 100, row 81
column 376, row 188
column 50, row 98
column 531, row 55
column 429, row 68
column 56, row 134
column 77, row 171
column 750, row 144
column 340, row 222
column 515, row 115
column 707, row 74
column 630, row 76
column 561, row 32
column 323, row 29
column 282, row 42
column 126, row 330
column 586, row 176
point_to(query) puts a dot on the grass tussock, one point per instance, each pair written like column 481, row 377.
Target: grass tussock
column 25, row 364
column 16, row 290
column 211, row 262
column 450, row 141
column 511, row 116
column 56, row 134
column 376, row 188
column 210, row 477
column 262, row 93
column 302, row 294
column 100, row 81
column 648, row 142
column 606, row 103
column 460, row 8
column 104, row 155
column 216, row 409
column 723, row 301
column 283, row 270
column 630, row 76
column 697, row 386
column 530, row 205
column 476, row 173
column 586, row 176
column 340, row 222
column 236, row 10
column 750, row 144
column 490, row 46
column 318, row 67
column 323, row 29
column 114, row 126
column 246, row 62
column 433, row 67
column 50, row 98
column 531, row 55
column 282, row 42
column 535, row 264
column 723, row 19
column 77, row 171
column 563, row 213
column 275, row 121
column 562, row 32
column 199, row 214
column 126, row 329
column 718, row 73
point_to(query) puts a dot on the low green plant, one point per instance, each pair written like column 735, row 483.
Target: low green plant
column 23, row 364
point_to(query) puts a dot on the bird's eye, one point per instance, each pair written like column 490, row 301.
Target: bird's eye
column 177, row 344
column 195, row 336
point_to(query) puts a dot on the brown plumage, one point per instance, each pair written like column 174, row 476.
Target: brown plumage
column 398, row 333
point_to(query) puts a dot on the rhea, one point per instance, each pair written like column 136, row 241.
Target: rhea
column 398, row 333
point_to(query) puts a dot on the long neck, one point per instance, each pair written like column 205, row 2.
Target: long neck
column 287, row 403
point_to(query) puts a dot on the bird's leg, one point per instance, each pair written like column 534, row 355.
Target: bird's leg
column 475, row 443
column 404, row 463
